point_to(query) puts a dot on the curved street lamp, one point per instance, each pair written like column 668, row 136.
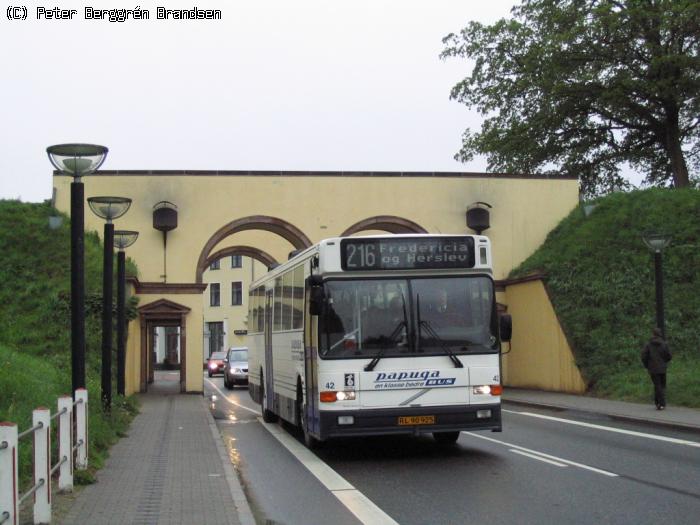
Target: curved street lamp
column 656, row 242
column 77, row 160
column 108, row 208
column 122, row 239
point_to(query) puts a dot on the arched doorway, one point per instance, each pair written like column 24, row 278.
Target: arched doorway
column 166, row 314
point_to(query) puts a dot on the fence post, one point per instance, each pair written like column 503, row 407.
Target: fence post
column 42, row 465
column 65, row 444
column 81, row 428
column 8, row 473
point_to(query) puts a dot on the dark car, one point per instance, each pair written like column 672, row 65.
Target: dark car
column 215, row 363
column 236, row 367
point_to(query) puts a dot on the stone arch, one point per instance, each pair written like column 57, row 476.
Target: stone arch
column 388, row 223
column 284, row 229
column 248, row 251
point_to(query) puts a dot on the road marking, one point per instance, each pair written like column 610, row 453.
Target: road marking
column 256, row 412
column 555, row 458
column 609, row 429
column 360, row 505
column 539, row 458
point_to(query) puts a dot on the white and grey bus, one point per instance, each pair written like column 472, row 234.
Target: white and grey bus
column 383, row 334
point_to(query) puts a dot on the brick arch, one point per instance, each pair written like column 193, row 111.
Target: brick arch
column 248, row 251
column 388, row 223
column 284, row 229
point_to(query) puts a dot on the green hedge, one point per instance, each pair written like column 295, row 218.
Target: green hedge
column 35, row 327
column 601, row 279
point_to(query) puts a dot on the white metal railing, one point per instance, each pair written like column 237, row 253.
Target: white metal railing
column 72, row 427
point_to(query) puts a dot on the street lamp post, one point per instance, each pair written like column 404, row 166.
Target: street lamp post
column 77, row 160
column 656, row 242
column 122, row 239
column 108, row 208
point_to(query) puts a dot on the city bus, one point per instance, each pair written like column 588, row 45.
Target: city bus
column 382, row 334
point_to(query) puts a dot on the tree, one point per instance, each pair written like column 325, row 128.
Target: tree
column 581, row 87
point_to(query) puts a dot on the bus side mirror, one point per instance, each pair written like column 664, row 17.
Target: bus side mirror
column 505, row 326
column 316, row 295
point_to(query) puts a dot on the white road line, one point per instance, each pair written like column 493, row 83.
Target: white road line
column 356, row 502
column 539, row 458
column 230, row 400
column 555, row 458
column 609, row 429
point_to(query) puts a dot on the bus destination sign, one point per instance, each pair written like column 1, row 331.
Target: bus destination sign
column 406, row 253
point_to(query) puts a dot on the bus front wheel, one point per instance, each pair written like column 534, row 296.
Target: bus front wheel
column 311, row 442
column 267, row 415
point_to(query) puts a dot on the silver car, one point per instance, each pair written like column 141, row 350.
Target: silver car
column 236, row 367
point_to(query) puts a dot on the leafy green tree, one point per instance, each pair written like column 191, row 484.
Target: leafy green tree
column 581, row 87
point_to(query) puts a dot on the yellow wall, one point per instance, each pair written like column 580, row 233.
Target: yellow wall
column 524, row 211
column 541, row 357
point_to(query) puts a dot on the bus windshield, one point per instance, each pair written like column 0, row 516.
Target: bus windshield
column 397, row 317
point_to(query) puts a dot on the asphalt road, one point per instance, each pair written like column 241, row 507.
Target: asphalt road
column 545, row 467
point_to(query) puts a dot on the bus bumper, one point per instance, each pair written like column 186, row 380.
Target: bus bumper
column 387, row 420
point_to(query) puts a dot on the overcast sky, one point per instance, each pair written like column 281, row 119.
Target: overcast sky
column 275, row 84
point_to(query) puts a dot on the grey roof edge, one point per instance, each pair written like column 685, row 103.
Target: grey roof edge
column 294, row 173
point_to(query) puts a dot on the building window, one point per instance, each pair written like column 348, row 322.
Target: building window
column 216, row 337
column 214, row 294
column 236, row 261
column 236, row 293
column 215, row 265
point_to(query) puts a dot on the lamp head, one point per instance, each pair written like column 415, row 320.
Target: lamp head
column 124, row 238
column 109, row 208
column 77, row 160
column 656, row 242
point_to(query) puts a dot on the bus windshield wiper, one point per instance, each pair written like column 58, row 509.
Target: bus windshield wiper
column 392, row 339
column 448, row 351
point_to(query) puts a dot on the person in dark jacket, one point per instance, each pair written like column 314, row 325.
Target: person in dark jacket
column 655, row 358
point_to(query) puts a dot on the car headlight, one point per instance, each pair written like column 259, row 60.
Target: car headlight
column 236, row 370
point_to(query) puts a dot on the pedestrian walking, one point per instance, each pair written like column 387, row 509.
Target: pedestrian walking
column 655, row 358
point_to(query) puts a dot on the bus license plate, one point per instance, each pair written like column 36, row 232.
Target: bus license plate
column 416, row 420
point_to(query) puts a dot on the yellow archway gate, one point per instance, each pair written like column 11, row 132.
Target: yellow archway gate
column 281, row 211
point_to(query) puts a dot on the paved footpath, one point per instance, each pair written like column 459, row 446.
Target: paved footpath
column 171, row 469
column 673, row 416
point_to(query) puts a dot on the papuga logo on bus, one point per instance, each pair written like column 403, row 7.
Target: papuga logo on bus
column 400, row 376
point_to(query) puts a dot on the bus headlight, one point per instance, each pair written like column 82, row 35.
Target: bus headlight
column 347, row 395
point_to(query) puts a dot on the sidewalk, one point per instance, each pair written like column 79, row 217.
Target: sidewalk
column 172, row 468
column 674, row 417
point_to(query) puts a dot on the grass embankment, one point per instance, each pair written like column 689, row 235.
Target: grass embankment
column 600, row 277
column 35, row 364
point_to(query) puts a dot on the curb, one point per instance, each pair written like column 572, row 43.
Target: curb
column 245, row 515
column 618, row 417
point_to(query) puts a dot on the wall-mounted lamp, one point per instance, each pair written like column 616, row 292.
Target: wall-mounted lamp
column 478, row 216
column 165, row 220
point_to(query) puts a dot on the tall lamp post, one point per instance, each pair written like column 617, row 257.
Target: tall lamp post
column 656, row 242
column 122, row 239
column 108, row 208
column 77, row 160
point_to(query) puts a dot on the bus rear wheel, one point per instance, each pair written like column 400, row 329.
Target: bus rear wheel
column 267, row 415
column 446, row 438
